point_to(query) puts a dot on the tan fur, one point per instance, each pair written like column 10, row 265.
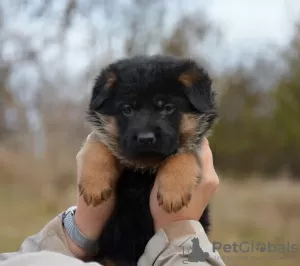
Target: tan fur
column 188, row 79
column 106, row 129
column 176, row 179
column 188, row 128
column 111, row 127
column 99, row 172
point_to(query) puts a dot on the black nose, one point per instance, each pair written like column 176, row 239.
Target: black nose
column 145, row 137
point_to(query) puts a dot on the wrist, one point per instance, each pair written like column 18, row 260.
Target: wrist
column 77, row 251
column 168, row 220
column 79, row 245
column 83, row 226
column 182, row 228
column 90, row 220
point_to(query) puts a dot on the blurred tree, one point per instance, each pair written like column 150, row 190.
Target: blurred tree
column 287, row 112
column 237, row 137
column 259, row 109
column 9, row 102
column 146, row 23
column 190, row 30
column 259, row 124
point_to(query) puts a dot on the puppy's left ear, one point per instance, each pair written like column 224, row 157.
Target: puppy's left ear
column 102, row 88
column 197, row 87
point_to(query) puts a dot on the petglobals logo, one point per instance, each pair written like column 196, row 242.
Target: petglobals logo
column 193, row 253
column 252, row 246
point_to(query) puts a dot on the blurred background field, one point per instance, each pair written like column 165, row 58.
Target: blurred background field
column 50, row 53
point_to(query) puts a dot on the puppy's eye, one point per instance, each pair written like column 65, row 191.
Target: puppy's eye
column 168, row 109
column 127, row 109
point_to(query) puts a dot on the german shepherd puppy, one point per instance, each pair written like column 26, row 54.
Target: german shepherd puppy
column 150, row 113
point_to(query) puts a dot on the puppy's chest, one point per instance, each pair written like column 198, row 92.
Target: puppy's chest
column 130, row 227
column 134, row 183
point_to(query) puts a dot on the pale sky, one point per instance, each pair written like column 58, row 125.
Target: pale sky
column 251, row 25
column 255, row 21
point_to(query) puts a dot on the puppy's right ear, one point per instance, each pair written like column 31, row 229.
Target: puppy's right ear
column 197, row 87
column 101, row 90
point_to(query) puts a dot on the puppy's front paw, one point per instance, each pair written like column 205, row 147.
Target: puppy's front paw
column 92, row 195
column 172, row 201
column 98, row 173
column 177, row 178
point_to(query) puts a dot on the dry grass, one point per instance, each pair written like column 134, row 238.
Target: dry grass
column 32, row 192
column 259, row 211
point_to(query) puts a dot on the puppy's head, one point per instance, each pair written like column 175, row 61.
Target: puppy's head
column 147, row 108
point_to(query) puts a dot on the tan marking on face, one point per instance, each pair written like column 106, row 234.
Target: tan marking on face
column 111, row 126
column 188, row 127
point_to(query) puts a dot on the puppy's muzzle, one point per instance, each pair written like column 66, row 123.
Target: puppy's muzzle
column 145, row 143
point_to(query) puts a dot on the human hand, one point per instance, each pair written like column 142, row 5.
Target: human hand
column 201, row 195
column 90, row 219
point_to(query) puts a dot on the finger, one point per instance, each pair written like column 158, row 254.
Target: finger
column 90, row 137
column 204, row 155
column 211, row 179
column 204, row 141
column 203, row 148
column 78, row 155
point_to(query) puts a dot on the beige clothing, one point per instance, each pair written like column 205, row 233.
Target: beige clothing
column 167, row 247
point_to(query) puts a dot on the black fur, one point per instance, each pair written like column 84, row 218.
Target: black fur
column 130, row 227
column 156, row 98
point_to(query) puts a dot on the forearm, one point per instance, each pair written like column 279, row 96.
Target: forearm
column 167, row 247
column 173, row 246
column 90, row 221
